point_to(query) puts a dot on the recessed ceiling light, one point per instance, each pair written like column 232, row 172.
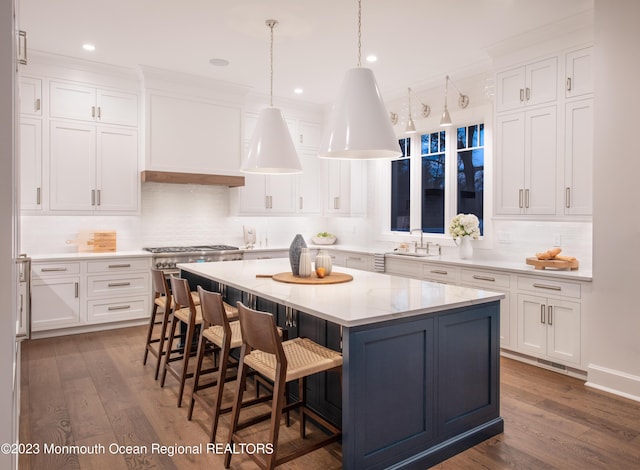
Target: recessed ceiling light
column 372, row 58
column 89, row 47
column 298, row 91
column 219, row 62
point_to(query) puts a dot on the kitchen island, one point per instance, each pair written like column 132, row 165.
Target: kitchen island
column 420, row 380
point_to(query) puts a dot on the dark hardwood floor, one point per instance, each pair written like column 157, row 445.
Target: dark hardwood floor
column 92, row 390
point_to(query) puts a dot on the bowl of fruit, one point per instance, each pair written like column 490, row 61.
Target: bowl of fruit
column 324, row 238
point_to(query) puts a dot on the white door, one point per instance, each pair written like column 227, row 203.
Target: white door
column 72, row 166
column 30, row 96
column 532, row 324
column 563, row 340
column 55, row 303
column 579, row 80
column 72, row 101
column 510, row 154
column 117, row 108
column 117, row 169
column 30, row 164
column 281, row 190
column 510, row 89
column 542, row 82
column 309, row 183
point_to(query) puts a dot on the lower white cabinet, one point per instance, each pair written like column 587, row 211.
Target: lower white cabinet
column 352, row 260
column 69, row 294
column 549, row 328
column 55, row 295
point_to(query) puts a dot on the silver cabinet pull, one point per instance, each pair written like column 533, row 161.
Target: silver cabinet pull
column 484, row 278
column 528, row 93
column 568, row 83
column 355, row 258
column 123, row 265
column 93, row 197
column 119, row 307
column 301, row 202
column 22, row 47
column 336, row 202
column 99, row 112
column 550, row 316
column 521, row 94
column 118, row 284
column 520, row 198
column 567, row 197
column 542, row 319
column 38, row 191
column 547, row 286
column 98, row 196
column 48, row 270
column 93, row 112
column 301, row 138
column 37, row 104
column 439, row 271
column 76, row 287
column 526, row 198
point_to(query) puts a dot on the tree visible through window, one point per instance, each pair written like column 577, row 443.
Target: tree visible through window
column 401, row 189
column 471, row 171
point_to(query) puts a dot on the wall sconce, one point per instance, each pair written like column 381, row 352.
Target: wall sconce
column 463, row 102
column 393, row 117
column 411, row 127
column 426, row 110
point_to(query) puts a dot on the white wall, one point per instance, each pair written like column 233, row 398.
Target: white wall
column 7, row 267
column 614, row 327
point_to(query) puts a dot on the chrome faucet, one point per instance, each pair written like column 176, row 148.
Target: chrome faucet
column 421, row 242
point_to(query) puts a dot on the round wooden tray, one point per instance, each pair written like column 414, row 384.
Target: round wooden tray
column 333, row 278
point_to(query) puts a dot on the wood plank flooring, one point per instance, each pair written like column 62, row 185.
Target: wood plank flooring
column 92, row 389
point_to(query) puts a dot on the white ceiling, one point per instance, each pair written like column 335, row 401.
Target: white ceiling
column 416, row 41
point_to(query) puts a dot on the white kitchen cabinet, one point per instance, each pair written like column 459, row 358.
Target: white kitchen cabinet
column 497, row 282
column 529, row 85
column 272, row 194
column 346, row 183
column 579, row 72
column 55, row 295
column 265, row 254
column 549, row 328
column 69, row 100
column 578, row 157
column 526, row 155
column 31, row 164
column 93, row 168
column 30, row 96
column 308, row 183
column 443, row 273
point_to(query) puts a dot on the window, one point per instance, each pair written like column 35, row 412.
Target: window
column 436, row 193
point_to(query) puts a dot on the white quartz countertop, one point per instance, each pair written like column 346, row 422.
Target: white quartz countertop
column 371, row 297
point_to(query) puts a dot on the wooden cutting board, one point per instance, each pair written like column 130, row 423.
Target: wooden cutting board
column 552, row 263
column 333, row 278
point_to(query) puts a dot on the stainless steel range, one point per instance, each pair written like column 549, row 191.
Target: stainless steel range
column 166, row 257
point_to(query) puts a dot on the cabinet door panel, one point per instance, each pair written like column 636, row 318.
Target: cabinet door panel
column 72, row 167
column 579, row 73
column 510, row 153
column 532, row 327
column 117, row 108
column 542, row 81
column 71, row 101
column 281, row 190
column 30, row 164
column 540, row 161
column 309, row 201
column 55, row 303
column 117, row 169
column 578, row 168
column 510, row 89
column 564, row 331
column 31, row 96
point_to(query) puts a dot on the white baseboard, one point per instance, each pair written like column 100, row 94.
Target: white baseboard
column 614, row 381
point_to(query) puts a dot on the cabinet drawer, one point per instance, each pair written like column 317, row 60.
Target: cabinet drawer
column 100, row 286
column 45, row 270
column 118, row 309
column 549, row 287
column 440, row 273
column 118, row 265
column 486, row 279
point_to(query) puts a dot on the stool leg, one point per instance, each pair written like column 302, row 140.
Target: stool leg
column 152, row 322
column 185, row 361
column 222, row 374
column 279, row 388
column 237, row 403
column 172, row 333
column 163, row 334
column 196, row 375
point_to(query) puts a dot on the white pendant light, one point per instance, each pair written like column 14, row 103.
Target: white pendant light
column 271, row 150
column 359, row 128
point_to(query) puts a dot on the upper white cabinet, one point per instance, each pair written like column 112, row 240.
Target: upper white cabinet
column 579, row 72
column 529, row 85
column 30, row 96
column 578, row 157
column 85, row 103
column 93, row 168
column 30, row 164
column 526, row 149
column 346, row 186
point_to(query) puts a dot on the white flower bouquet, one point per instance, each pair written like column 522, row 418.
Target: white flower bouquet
column 464, row 224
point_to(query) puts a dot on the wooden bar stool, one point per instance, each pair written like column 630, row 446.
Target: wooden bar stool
column 162, row 305
column 280, row 362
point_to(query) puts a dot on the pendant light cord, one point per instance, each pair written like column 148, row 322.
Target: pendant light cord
column 359, row 33
column 271, row 25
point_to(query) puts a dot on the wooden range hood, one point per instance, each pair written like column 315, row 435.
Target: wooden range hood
column 150, row 176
